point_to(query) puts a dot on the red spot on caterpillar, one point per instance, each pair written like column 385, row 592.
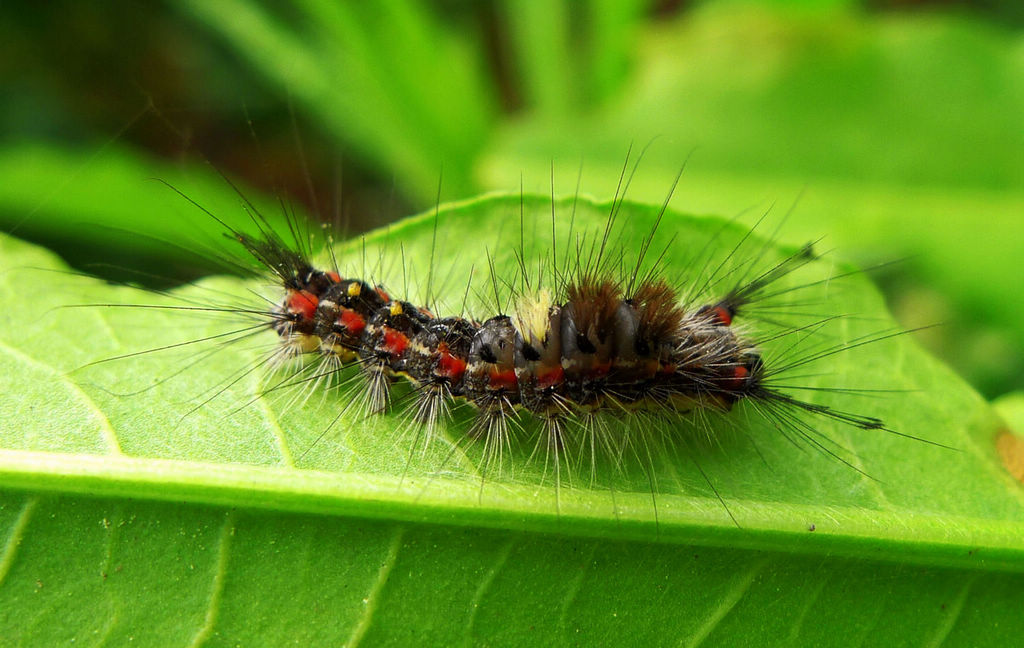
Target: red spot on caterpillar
column 395, row 342
column 335, row 277
column 739, row 376
column 382, row 294
column 550, row 377
column 503, row 379
column 723, row 315
column 303, row 303
column 352, row 321
column 448, row 365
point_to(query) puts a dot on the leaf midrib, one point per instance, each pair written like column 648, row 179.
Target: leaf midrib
column 935, row 540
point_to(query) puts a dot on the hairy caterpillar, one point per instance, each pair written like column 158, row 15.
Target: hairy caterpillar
column 565, row 355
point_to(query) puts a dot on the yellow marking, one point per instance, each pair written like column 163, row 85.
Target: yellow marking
column 532, row 316
column 396, row 308
column 339, row 351
column 347, row 356
column 304, row 342
column 354, row 289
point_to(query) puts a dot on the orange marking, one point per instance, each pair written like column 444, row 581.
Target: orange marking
column 448, row 365
column 550, row 377
column 335, row 277
column 395, row 342
column 739, row 376
column 723, row 316
column 503, row 379
column 303, row 303
column 353, row 322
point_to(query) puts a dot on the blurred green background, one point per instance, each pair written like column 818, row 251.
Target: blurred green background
column 897, row 126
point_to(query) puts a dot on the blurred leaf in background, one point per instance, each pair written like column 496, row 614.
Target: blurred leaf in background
column 901, row 124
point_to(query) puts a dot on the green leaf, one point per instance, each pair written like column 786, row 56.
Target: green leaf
column 416, row 107
column 123, row 214
column 174, row 496
column 1011, row 408
column 570, row 55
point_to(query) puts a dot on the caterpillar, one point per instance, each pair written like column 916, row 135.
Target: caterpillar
column 574, row 358
column 712, row 361
column 597, row 345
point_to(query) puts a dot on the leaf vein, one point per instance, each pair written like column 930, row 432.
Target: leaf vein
column 485, row 584
column 217, row 588
column 371, row 600
column 820, row 580
column 728, row 602
column 17, row 533
column 278, row 432
column 574, row 588
column 113, row 525
column 953, row 612
column 107, row 430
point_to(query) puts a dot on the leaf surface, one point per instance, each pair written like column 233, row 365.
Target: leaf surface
column 176, row 497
